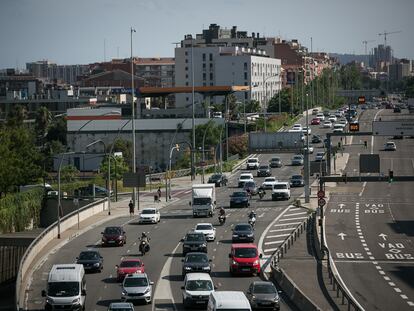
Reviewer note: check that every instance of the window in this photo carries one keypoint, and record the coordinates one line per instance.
(204, 57)
(245, 75)
(211, 76)
(186, 61)
(186, 83)
(204, 76)
(186, 76)
(186, 68)
(211, 57)
(186, 53)
(245, 66)
(186, 98)
(204, 66)
(211, 66)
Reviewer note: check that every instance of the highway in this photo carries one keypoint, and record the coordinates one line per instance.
(369, 227)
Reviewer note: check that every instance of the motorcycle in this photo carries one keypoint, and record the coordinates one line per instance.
(261, 194)
(144, 247)
(252, 221)
(222, 219)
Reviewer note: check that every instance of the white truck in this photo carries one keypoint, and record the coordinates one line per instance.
(203, 200)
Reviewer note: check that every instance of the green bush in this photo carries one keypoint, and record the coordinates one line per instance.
(18, 210)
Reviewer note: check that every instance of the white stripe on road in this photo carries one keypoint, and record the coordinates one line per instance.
(295, 209)
(284, 229)
(295, 214)
(274, 242)
(295, 218)
(269, 250)
(289, 224)
(277, 236)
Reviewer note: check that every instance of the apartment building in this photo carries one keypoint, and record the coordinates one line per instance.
(50, 71)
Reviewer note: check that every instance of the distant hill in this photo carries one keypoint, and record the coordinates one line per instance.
(347, 58)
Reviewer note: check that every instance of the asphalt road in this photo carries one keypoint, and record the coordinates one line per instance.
(370, 227)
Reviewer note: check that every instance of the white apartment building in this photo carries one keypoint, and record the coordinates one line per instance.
(226, 65)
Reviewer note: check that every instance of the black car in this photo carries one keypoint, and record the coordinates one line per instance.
(263, 295)
(194, 242)
(196, 262)
(239, 199)
(91, 260)
(316, 139)
(218, 179)
(276, 162)
(397, 110)
(242, 233)
(297, 181)
(264, 171)
(115, 236)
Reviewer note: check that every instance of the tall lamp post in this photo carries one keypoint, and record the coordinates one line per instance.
(176, 147)
(307, 192)
(109, 171)
(204, 138)
(134, 168)
(193, 111)
(60, 192)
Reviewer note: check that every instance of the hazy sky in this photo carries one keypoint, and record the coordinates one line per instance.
(74, 31)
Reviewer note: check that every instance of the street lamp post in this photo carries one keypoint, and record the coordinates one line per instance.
(60, 192)
(109, 171)
(134, 168)
(193, 111)
(204, 137)
(307, 188)
(177, 147)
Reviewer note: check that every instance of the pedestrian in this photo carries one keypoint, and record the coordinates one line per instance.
(131, 208)
(159, 194)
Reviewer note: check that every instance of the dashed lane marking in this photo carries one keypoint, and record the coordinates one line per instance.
(289, 224)
(277, 236)
(295, 214)
(290, 219)
(274, 242)
(283, 229)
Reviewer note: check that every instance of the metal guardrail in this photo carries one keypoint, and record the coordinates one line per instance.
(288, 242)
(338, 286)
(20, 275)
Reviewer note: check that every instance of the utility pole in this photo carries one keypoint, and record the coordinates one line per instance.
(134, 167)
(306, 164)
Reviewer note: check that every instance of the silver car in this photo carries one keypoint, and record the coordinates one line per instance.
(297, 159)
(137, 287)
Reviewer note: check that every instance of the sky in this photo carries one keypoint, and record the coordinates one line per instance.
(87, 31)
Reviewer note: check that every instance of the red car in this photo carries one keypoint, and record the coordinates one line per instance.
(244, 258)
(113, 236)
(315, 121)
(129, 266)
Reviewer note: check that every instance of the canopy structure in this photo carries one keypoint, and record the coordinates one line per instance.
(205, 90)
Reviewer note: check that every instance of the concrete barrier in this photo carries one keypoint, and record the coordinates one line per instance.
(301, 301)
(48, 235)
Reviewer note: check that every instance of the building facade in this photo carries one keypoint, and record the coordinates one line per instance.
(50, 71)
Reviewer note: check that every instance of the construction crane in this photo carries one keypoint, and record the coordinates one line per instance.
(385, 34)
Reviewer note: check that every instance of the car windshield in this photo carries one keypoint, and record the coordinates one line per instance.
(120, 309)
(148, 211)
(297, 157)
(195, 237)
(275, 159)
(269, 179)
(280, 186)
(199, 285)
(249, 184)
(216, 176)
(239, 194)
(196, 258)
(63, 289)
(296, 177)
(251, 161)
(112, 230)
(245, 177)
(88, 255)
(320, 154)
(201, 201)
(135, 282)
(243, 227)
(245, 252)
(264, 289)
(263, 167)
(130, 264)
(204, 227)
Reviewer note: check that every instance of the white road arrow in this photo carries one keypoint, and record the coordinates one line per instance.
(341, 205)
(342, 235)
(384, 236)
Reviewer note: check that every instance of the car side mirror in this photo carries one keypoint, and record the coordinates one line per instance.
(182, 260)
(215, 287)
(182, 240)
(189, 203)
(182, 287)
(43, 293)
(116, 266)
(260, 256)
(102, 233)
(83, 293)
(77, 258)
(209, 260)
(123, 232)
(215, 202)
(101, 257)
(151, 283)
(229, 255)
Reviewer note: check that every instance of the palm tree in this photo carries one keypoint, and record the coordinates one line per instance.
(43, 119)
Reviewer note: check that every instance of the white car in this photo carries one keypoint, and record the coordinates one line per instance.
(281, 190)
(306, 130)
(245, 177)
(320, 116)
(207, 229)
(149, 215)
(197, 289)
(297, 126)
(390, 146)
(332, 118)
(327, 124)
(342, 122)
(269, 182)
(338, 128)
(252, 164)
(310, 149)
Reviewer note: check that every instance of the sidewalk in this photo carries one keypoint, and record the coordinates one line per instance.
(301, 265)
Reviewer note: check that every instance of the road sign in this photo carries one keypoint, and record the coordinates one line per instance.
(134, 179)
(321, 194)
(393, 128)
(369, 163)
(354, 127)
(361, 99)
(321, 202)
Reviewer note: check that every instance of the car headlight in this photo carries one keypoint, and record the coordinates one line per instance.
(256, 262)
(234, 262)
(124, 293)
(203, 245)
(250, 235)
(147, 290)
(76, 301)
(187, 268)
(96, 264)
(276, 299)
(235, 236)
(253, 297)
(206, 268)
(49, 300)
(103, 238)
(186, 246)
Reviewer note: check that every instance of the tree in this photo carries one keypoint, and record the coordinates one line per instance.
(69, 173)
(16, 116)
(43, 119)
(252, 106)
(57, 131)
(232, 107)
(124, 146)
(238, 145)
(118, 167)
(285, 100)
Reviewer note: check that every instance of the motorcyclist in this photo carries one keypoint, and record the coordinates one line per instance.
(252, 215)
(144, 238)
(222, 212)
(261, 191)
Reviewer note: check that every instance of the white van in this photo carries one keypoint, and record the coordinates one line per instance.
(228, 300)
(66, 288)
